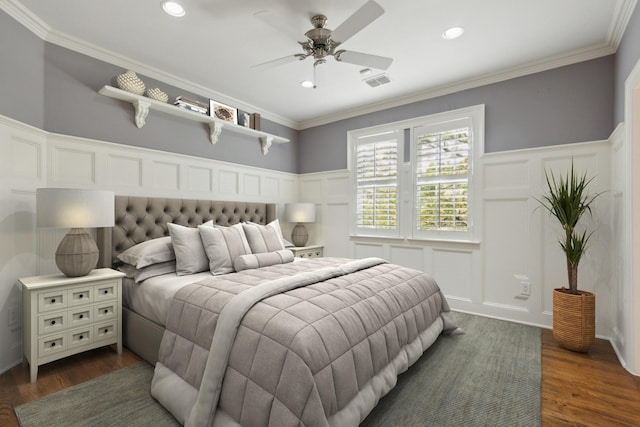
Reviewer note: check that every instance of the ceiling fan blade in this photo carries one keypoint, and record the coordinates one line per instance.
(365, 59)
(278, 23)
(356, 22)
(276, 62)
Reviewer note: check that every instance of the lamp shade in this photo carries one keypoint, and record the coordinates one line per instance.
(77, 253)
(74, 208)
(299, 212)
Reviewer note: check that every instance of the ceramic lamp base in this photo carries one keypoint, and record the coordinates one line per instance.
(77, 253)
(299, 235)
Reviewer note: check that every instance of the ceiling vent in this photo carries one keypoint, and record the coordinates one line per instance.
(379, 80)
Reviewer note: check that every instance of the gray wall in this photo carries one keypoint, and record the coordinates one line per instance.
(21, 73)
(627, 56)
(559, 106)
(56, 89)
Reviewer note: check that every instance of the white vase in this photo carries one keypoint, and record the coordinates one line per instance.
(157, 94)
(130, 82)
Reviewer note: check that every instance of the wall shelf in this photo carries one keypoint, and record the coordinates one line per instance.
(142, 105)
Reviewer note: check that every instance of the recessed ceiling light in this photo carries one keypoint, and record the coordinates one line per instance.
(452, 33)
(173, 8)
(307, 84)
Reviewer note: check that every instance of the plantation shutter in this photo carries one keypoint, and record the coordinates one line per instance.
(442, 178)
(376, 164)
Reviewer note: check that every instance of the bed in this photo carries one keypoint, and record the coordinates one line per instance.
(316, 342)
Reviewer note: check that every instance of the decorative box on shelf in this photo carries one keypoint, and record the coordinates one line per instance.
(314, 251)
(64, 315)
(143, 104)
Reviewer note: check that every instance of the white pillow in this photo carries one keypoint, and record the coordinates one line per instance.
(264, 238)
(140, 274)
(149, 252)
(223, 245)
(190, 255)
(245, 262)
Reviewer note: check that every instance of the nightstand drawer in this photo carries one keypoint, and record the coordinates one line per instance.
(79, 296)
(106, 291)
(51, 344)
(105, 331)
(52, 323)
(49, 301)
(105, 311)
(81, 337)
(80, 316)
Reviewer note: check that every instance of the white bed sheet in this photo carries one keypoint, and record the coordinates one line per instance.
(151, 298)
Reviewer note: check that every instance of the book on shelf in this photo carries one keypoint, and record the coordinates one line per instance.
(193, 102)
(191, 108)
(254, 121)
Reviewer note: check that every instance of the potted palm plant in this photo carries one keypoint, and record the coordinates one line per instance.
(568, 200)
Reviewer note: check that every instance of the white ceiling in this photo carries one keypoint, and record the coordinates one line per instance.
(213, 47)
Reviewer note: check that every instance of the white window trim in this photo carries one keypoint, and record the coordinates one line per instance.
(406, 192)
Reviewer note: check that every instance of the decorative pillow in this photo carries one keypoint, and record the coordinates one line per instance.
(223, 245)
(149, 252)
(140, 274)
(245, 262)
(264, 238)
(190, 255)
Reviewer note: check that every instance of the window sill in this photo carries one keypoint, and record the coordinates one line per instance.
(413, 240)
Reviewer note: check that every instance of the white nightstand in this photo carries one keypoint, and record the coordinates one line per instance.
(64, 315)
(314, 251)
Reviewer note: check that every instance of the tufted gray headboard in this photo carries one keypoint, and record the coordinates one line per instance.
(143, 218)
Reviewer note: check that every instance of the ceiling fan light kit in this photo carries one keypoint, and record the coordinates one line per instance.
(322, 42)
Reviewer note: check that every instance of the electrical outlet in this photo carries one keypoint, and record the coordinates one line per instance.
(525, 288)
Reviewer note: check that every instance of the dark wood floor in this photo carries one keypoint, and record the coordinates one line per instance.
(577, 389)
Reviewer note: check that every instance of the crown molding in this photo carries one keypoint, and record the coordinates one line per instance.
(487, 79)
(621, 16)
(619, 22)
(24, 16)
(29, 20)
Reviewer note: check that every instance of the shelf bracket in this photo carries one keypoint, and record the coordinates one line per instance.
(214, 132)
(142, 111)
(266, 142)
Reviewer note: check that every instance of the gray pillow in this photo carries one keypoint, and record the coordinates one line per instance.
(264, 238)
(149, 252)
(245, 262)
(223, 245)
(140, 274)
(190, 255)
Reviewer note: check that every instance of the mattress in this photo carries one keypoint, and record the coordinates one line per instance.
(151, 298)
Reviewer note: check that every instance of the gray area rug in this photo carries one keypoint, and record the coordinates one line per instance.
(490, 376)
(120, 398)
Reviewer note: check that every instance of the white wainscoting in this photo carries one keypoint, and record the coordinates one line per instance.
(34, 158)
(519, 241)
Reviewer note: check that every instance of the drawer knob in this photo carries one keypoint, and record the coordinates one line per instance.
(81, 295)
(53, 344)
(53, 300)
(81, 316)
(106, 330)
(106, 291)
(80, 337)
(53, 322)
(106, 311)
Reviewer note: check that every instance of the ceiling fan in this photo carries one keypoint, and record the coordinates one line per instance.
(321, 42)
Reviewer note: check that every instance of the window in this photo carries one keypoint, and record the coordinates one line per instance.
(376, 176)
(442, 177)
(428, 194)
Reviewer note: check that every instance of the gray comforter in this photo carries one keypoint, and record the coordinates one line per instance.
(313, 343)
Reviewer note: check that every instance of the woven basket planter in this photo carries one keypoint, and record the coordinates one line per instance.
(574, 319)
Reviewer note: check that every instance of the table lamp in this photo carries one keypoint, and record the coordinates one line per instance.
(299, 213)
(77, 253)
